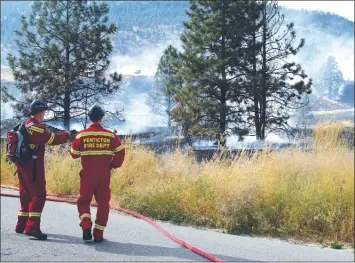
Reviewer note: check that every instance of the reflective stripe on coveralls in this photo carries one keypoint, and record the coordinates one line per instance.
(22, 213)
(83, 153)
(118, 149)
(85, 215)
(83, 134)
(74, 151)
(34, 214)
(99, 227)
(36, 129)
(96, 153)
(51, 139)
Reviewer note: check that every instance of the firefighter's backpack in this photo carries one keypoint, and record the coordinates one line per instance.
(18, 150)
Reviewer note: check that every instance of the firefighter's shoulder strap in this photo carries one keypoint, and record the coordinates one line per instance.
(34, 155)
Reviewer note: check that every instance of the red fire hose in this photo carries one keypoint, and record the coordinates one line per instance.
(61, 198)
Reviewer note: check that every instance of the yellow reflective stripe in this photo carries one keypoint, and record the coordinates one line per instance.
(96, 153)
(75, 152)
(51, 139)
(30, 124)
(36, 129)
(34, 214)
(119, 148)
(99, 227)
(23, 213)
(85, 215)
(83, 134)
(32, 146)
(84, 153)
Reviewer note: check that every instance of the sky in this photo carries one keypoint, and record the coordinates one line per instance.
(343, 8)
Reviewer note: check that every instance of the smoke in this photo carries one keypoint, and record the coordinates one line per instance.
(319, 46)
(343, 8)
(341, 48)
(250, 142)
(6, 75)
(138, 71)
(138, 115)
(146, 62)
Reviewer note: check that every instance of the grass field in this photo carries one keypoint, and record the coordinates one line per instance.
(308, 195)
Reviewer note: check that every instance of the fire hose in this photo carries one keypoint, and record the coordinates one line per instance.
(66, 199)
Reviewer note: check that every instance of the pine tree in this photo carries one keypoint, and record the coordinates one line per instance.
(304, 115)
(187, 115)
(166, 81)
(211, 39)
(277, 83)
(64, 48)
(329, 79)
(251, 65)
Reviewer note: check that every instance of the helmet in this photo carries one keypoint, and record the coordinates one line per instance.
(38, 106)
(96, 113)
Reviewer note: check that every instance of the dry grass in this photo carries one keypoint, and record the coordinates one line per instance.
(7, 170)
(291, 193)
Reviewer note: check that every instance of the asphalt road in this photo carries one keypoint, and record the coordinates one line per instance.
(132, 239)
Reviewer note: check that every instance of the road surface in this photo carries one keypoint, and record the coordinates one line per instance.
(132, 239)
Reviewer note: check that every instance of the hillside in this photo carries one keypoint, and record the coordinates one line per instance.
(145, 28)
(143, 24)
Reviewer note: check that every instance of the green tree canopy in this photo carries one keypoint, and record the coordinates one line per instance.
(64, 49)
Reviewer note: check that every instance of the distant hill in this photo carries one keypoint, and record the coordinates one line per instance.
(142, 23)
(146, 27)
(347, 95)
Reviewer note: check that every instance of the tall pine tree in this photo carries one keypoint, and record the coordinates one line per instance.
(209, 68)
(64, 49)
(329, 78)
(162, 99)
(276, 83)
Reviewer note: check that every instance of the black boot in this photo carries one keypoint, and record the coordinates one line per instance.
(38, 235)
(19, 230)
(98, 240)
(87, 234)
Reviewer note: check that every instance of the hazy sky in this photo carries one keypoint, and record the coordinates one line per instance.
(343, 8)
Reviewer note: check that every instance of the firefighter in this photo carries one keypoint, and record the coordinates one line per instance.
(31, 174)
(100, 151)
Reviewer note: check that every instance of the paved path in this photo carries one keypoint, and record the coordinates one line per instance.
(132, 239)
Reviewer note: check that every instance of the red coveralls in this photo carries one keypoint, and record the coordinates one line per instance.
(33, 193)
(100, 151)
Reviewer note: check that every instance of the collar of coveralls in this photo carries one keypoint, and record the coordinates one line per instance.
(33, 120)
(95, 125)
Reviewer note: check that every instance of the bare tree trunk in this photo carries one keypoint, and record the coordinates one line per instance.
(67, 82)
(255, 90)
(223, 100)
(263, 79)
(169, 110)
(86, 110)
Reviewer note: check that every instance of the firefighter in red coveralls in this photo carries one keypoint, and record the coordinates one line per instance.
(31, 174)
(100, 151)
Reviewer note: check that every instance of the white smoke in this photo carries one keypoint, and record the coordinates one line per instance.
(319, 46)
(146, 62)
(6, 74)
(342, 8)
(138, 115)
(341, 48)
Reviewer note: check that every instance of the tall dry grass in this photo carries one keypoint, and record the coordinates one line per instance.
(289, 193)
